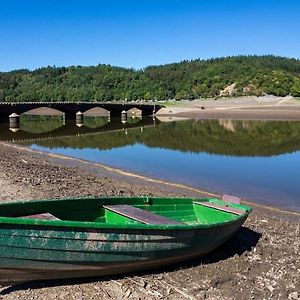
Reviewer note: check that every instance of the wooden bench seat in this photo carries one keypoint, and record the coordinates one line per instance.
(140, 215)
(228, 209)
(231, 199)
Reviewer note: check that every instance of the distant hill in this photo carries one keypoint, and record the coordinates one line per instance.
(219, 77)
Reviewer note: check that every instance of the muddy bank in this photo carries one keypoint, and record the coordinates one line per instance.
(261, 261)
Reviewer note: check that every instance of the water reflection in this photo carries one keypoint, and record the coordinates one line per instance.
(95, 122)
(133, 120)
(35, 128)
(225, 137)
(254, 159)
(40, 124)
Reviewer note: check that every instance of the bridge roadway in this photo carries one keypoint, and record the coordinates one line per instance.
(71, 108)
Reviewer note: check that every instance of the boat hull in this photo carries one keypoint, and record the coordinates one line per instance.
(42, 253)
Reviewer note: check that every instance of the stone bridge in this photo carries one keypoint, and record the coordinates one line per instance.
(71, 108)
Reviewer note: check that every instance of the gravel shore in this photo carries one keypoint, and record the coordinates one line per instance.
(260, 262)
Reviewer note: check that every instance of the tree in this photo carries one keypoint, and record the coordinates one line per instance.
(295, 90)
(252, 75)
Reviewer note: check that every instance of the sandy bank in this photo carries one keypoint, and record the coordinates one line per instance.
(291, 112)
(252, 108)
(261, 261)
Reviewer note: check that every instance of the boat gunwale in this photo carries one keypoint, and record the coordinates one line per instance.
(98, 225)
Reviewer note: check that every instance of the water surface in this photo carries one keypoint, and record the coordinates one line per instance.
(258, 160)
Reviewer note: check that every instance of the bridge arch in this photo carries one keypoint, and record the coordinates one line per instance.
(97, 112)
(71, 108)
(46, 111)
(134, 113)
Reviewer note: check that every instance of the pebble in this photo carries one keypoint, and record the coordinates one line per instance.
(294, 296)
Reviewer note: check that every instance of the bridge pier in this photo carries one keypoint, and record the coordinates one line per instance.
(70, 108)
(124, 116)
(79, 119)
(64, 118)
(14, 122)
(154, 120)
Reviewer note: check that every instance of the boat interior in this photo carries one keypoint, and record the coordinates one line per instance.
(133, 210)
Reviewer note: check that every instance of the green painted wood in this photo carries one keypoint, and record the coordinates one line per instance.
(225, 208)
(89, 237)
(140, 215)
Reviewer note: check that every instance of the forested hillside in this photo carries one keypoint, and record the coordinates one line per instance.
(230, 76)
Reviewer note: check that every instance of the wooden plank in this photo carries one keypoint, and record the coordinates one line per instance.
(231, 199)
(140, 215)
(43, 216)
(232, 210)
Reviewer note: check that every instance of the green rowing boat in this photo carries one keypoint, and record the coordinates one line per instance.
(69, 238)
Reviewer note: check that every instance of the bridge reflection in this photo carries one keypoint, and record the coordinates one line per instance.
(225, 137)
(222, 137)
(46, 128)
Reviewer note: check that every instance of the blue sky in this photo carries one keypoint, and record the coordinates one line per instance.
(137, 33)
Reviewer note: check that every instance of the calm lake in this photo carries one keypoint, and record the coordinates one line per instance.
(257, 160)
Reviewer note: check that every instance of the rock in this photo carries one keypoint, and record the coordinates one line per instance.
(294, 296)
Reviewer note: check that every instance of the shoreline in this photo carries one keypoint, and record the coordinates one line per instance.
(262, 112)
(240, 108)
(260, 261)
(131, 177)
